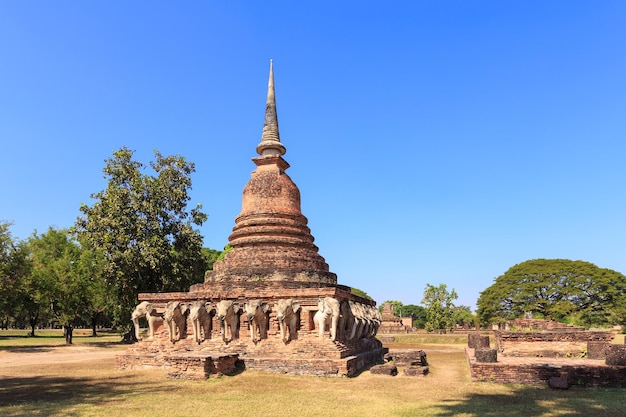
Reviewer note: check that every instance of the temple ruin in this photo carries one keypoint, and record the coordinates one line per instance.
(271, 303)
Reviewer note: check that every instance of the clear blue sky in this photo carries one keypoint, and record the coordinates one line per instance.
(432, 141)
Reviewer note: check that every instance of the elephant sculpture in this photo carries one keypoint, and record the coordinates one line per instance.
(256, 316)
(201, 316)
(227, 312)
(327, 315)
(288, 319)
(147, 310)
(378, 319)
(358, 312)
(346, 320)
(176, 319)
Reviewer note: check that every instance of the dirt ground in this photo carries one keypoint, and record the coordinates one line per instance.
(56, 354)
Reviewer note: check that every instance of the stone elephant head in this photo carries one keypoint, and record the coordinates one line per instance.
(147, 310)
(288, 319)
(201, 315)
(255, 313)
(175, 317)
(346, 321)
(227, 312)
(327, 315)
(358, 312)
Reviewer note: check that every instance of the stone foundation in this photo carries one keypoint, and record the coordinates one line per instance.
(559, 343)
(535, 371)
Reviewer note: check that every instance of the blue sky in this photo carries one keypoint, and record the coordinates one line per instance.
(432, 141)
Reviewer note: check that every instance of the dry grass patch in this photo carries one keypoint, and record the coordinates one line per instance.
(93, 388)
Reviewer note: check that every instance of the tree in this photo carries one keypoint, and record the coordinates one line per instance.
(463, 316)
(417, 314)
(14, 268)
(439, 308)
(64, 276)
(141, 224)
(577, 292)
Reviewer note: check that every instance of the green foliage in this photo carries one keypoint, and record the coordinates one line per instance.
(16, 301)
(439, 308)
(463, 316)
(576, 292)
(211, 256)
(66, 280)
(141, 224)
(221, 256)
(360, 293)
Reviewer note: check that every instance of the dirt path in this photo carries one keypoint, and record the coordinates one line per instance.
(56, 354)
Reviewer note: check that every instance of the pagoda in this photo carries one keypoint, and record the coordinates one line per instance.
(271, 303)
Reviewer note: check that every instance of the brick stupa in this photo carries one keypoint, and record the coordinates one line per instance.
(271, 239)
(273, 262)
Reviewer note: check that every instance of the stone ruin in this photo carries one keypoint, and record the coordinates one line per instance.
(545, 352)
(271, 303)
(392, 324)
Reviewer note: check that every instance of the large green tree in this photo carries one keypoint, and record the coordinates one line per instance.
(577, 292)
(63, 276)
(439, 304)
(14, 269)
(143, 227)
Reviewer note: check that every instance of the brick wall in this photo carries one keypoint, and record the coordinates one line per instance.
(592, 375)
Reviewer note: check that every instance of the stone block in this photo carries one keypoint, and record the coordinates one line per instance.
(407, 357)
(385, 369)
(558, 382)
(486, 355)
(616, 355)
(597, 350)
(477, 341)
(416, 371)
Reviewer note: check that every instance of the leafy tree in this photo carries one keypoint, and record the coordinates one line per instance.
(141, 224)
(14, 267)
(559, 289)
(463, 316)
(64, 275)
(439, 308)
(417, 314)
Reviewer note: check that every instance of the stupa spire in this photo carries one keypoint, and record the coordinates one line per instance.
(270, 139)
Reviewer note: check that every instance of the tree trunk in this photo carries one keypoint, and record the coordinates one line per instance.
(67, 332)
(33, 323)
(94, 320)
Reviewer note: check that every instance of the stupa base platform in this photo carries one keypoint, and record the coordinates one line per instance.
(307, 355)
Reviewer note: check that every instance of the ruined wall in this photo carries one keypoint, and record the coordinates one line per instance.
(587, 375)
(572, 343)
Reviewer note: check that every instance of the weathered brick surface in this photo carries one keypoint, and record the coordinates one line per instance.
(548, 343)
(486, 355)
(537, 371)
(477, 340)
(597, 350)
(407, 357)
(384, 369)
(416, 371)
(616, 355)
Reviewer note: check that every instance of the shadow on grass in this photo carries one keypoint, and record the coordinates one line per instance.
(47, 347)
(46, 395)
(528, 401)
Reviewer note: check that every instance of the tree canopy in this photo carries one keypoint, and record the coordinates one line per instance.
(575, 292)
(440, 309)
(141, 224)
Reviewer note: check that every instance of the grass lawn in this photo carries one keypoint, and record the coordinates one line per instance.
(10, 339)
(94, 388)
